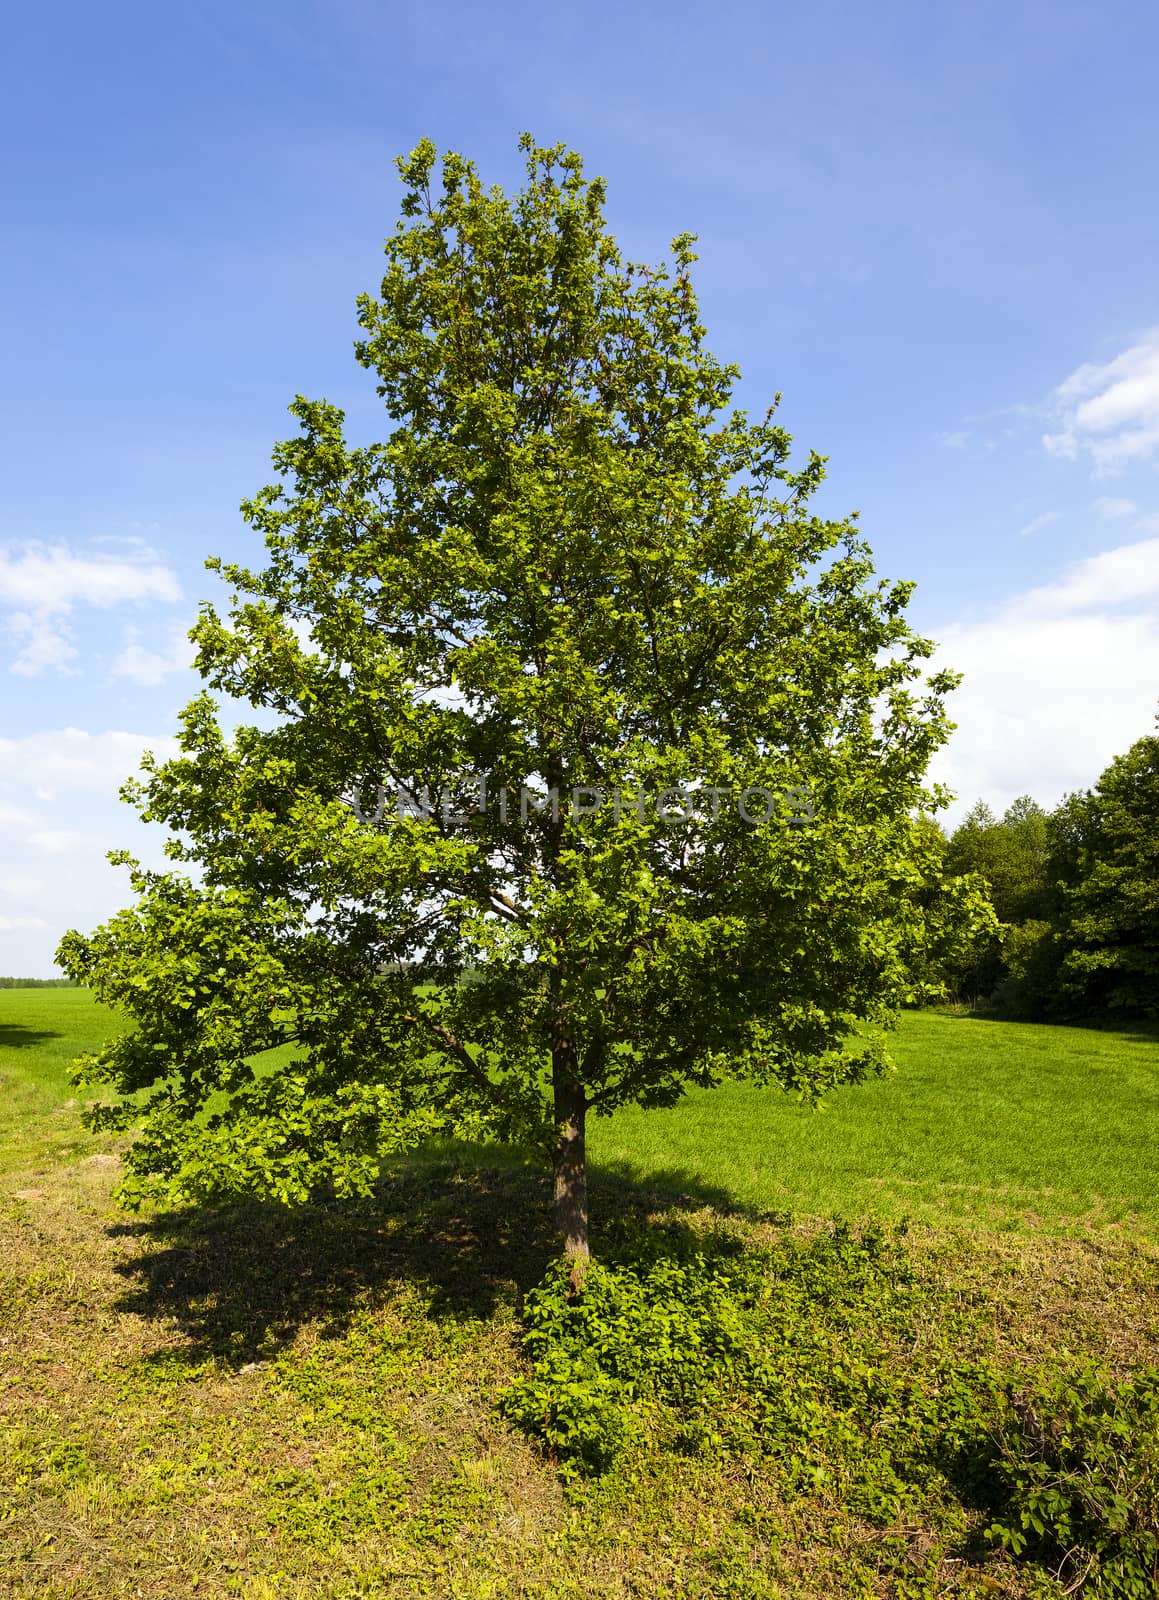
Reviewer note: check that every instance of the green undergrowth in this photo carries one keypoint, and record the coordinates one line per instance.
(830, 1363)
(1078, 1468)
(397, 1398)
(780, 1350)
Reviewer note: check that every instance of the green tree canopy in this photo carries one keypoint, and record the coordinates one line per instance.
(1010, 852)
(572, 567)
(1009, 855)
(1107, 861)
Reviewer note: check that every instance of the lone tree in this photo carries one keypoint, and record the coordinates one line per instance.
(672, 732)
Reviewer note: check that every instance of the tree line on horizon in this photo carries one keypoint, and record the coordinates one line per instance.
(1076, 893)
(37, 983)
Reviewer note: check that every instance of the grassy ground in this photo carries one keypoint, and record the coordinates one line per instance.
(41, 1033)
(1000, 1124)
(260, 1405)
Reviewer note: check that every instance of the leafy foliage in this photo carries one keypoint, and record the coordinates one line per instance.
(1077, 893)
(1109, 922)
(760, 1353)
(1080, 1467)
(1010, 854)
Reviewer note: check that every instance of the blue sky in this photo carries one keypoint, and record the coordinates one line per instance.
(933, 229)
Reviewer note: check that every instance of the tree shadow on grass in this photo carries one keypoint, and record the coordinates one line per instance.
(239, 1282)
(458, 1239)
(1123, 1032)
(15, 1036)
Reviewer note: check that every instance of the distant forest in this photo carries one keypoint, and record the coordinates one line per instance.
(1076, 891)
(37, 983)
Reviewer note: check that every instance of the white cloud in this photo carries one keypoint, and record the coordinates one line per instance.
(1110, 412)
(1057, 681)
(44, 644)
(138, 547)
(50, 579)
(1113, 508)
(1128, 573)
(59, 815)
(55, 841)
(1036, 524)
(150, 667)
(67, 760)
(41, 586)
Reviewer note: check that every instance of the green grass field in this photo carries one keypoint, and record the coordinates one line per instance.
(264, 1405)
(1004, 1124)
(1001, 1124)
(42, 1031)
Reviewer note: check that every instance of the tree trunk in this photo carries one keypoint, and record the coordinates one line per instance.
(571, 1173)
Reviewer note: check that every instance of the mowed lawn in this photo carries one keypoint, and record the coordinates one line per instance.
(42, 1031)
(1005, 1124)
(1002, 1125)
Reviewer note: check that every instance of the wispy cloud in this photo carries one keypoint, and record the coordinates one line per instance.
(1110, 412)
(1036, 524)
(1112, 508)
(42, 586)
(52, 579)
(955, 438)
(21, 887)
(150, 667)
(44, 644)
(989, 430)
(65, 760)
(56, 841)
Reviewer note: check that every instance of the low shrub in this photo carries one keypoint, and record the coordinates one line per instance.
(803, 1353)
(1080, 1467)
(779, 1352)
